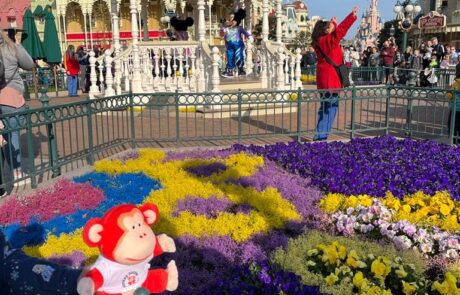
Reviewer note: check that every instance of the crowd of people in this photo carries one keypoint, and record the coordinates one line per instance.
(423, 61)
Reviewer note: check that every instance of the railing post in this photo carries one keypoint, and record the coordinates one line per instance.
(30, 149)
(249, 63)
(299, 114)
(93, 89)
(176, 100)
(280, 69)
(353, 111)
(452, 118)
(408, 132)
(90, 132)
(215, 79)
(387, 110)
(240, 100)
(109, 91)
(131, 115)
(52, 146)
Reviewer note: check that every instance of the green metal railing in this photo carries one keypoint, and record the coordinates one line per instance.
(61, 138)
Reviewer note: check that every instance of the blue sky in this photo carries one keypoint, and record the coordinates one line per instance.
(340, 8)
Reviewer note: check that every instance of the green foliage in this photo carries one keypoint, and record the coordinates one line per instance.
(302, 40)
(295, 256)
(257, 32)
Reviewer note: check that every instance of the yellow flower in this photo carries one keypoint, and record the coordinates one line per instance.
(406, 208)
(409, 289)
(331, 203)
(445, 210)
(381, 267)
(331, 279)
(353, 259)
(359, 280)
(401, 273)
(449, 286)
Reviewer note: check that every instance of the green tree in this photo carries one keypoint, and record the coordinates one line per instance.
(302, 40)
(257, 32)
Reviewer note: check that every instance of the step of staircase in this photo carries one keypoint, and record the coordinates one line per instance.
(235, 83)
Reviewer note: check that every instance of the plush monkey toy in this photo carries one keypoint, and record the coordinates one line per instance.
(180, 27)
(127, 244)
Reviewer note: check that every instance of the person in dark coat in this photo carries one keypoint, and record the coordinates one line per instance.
(326, 39)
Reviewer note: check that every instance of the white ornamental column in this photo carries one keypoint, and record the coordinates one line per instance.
(91, 29)
(279, 15)
(249, 62)
(84, 11)
(215, 80)
(210, 2)
(280, 69)
(58, 19)
(108, 74)
(117, 47)
(298, 71)
(93, 89)
(201, 21)
(265, 27)
(136, 85)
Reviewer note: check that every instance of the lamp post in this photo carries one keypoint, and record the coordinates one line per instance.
(405, 15)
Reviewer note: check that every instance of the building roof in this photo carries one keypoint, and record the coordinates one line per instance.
(299, 5)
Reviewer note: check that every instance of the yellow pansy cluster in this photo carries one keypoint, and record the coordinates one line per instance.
(368, 274)
(448, 286)
(439, 210)
(270, 209)
(332, 203)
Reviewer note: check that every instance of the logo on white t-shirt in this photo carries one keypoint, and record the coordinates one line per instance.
(130, 279)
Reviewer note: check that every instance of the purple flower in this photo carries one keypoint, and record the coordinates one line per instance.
(207, 170)
(370, 166)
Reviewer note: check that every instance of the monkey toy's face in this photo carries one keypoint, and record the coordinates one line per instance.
(137, 241)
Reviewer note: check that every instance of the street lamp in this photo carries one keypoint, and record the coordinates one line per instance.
(392, 30)
(405, 15)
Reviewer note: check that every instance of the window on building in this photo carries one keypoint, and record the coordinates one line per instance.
(432, 5)
(302, 19)
(456, 17)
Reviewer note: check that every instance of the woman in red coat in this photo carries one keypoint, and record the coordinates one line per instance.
(326, 39)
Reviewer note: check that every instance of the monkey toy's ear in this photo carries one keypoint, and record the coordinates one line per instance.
(92, 232)
(150, 212)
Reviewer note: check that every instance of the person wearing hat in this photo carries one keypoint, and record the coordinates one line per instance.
(233, 34)
(455, 104)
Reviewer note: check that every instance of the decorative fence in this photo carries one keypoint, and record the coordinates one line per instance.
(65, 137)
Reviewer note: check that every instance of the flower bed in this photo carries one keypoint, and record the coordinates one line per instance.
(242, 218)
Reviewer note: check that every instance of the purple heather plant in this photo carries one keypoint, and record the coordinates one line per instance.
(370, 166)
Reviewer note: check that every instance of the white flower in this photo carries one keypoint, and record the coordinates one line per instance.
(451, 253)
(453, 243)
(350, 210)
(426, 248)
(402, 242)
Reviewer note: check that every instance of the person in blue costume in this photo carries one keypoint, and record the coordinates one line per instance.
(233, 34)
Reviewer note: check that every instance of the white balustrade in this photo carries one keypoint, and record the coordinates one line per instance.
(109, 91)
(93, 89)
(280, 82)
(298, 71)
(292, 72)
(215, 80)
(249, 59)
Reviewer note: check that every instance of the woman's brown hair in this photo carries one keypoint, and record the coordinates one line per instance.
(318, 31)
